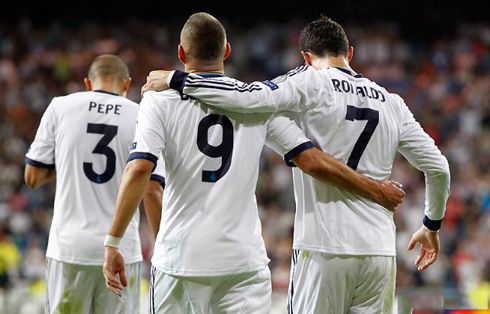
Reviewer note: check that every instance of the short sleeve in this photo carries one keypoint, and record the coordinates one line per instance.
(159, 173)
(41, 153)
(286, 138)
(149, 140)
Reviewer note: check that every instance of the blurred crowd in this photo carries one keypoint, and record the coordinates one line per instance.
(444, 81)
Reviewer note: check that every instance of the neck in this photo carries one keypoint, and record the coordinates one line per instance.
(328, 62)
(200, 69)
(107, 87)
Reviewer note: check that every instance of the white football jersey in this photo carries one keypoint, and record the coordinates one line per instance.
(86, 137)
(210, 224)
(354, 120)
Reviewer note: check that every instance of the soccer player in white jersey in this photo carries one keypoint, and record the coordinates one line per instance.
(209, 256)
(344, 245)
(83, 141)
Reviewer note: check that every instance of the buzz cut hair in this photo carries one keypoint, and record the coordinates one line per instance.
(108, 66)
(206, 37)
(324, 37)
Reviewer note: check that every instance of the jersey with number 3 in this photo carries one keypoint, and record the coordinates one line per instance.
(355, 120)
(86, 137)
(210, 224)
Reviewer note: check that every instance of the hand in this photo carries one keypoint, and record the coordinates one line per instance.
(391, 195)
(156, 80)
(429, 250)
(113, 265)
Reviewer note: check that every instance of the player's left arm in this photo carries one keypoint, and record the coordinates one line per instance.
(152, 199)
(287, 139)
(328, 169)
(421, 151)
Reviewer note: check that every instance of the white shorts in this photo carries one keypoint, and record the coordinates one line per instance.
(239, 294)
(341, 284)
(73, 288)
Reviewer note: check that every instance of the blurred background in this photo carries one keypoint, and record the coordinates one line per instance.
(435, 55)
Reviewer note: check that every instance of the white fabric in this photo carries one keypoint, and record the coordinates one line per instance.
(240, 293)
(87, 137)
(335, 108)
(81, 289)
(332, 284)
(210, 224)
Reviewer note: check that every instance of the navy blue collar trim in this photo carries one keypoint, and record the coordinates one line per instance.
(358, 75)
(210, 74)
(105, 92)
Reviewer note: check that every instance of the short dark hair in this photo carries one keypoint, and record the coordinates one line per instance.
(108, 66)
(324, 37)
(206, 36)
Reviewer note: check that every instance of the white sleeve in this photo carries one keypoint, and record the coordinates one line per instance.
(420, 150)
(149, 139)
(159, 173)
(293, 91)
(42, 150)
(286, 138)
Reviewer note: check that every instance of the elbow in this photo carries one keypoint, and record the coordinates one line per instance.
(30, 178)
(139, 167)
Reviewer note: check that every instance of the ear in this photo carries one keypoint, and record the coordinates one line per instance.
(350, 53)
(88, 83)
(126, 84)
(307, 57)
(227, 51)
(181, 54)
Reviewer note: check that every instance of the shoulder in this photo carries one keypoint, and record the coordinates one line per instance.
(161, 97)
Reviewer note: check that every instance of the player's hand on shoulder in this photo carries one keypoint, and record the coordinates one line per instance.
(113, 265)
(156, 81)
(391, 195)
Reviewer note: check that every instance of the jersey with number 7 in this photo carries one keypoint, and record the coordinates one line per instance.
(355, 120)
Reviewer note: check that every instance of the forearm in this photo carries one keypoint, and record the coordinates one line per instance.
(437, 193)
(328, 169)
(131, 190)
(152, 202)
(36, 177)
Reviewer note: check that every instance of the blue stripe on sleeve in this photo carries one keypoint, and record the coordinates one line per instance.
(433, 225)
(147, 156)
(158, 178)
(296, 151)
(38, 164)
(178, 80)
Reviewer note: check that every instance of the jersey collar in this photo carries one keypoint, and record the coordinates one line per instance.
(211, 74)
(358, 75)
(105, 92)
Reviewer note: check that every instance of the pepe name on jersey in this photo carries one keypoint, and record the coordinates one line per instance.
(343, 86)
(104, 108)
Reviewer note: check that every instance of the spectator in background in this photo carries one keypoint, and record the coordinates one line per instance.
(450, 98)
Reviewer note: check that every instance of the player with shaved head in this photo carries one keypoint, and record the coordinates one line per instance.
(209, 255)
(83, 141)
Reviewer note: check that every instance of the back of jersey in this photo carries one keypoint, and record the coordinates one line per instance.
(87, 135)
(358, 122)
(210, 224)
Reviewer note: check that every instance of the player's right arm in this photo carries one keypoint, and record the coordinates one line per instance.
(40, 165)
(420, 150)
(293, 91)
(142, 161)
